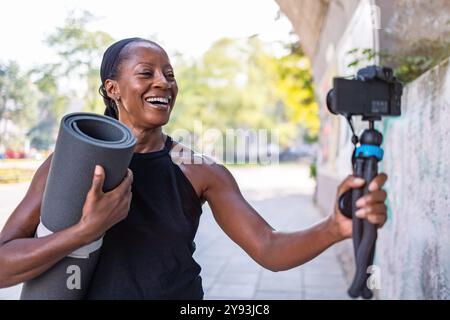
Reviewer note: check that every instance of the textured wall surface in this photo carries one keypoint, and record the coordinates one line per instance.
(407, 24)
(414, 246)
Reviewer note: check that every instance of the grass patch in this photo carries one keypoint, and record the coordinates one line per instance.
(15, 175)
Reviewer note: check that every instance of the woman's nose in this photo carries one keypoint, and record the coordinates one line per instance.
(160, 81)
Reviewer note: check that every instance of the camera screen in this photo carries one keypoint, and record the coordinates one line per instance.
(357, 97)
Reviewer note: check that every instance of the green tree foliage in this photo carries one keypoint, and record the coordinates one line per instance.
(236, 84)
(51, 105)
(37, 106)
(293, 82)
(17, 103)
(80, 51)
(240, 84)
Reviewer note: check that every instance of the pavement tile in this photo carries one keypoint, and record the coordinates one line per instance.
(280, 284)
(326, 294)
(227, 290)
(277, 295)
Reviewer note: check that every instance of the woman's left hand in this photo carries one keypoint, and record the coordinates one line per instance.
(371, 206)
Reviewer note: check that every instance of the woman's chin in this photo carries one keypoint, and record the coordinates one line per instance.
(158, 107)
(157, 120)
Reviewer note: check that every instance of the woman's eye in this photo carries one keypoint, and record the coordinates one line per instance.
(147, 73)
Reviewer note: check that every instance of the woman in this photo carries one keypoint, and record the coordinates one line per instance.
(152, 218)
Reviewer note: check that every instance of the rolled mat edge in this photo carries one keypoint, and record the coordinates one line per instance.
(84, 140)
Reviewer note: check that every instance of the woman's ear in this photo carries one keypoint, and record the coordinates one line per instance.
(112, 89)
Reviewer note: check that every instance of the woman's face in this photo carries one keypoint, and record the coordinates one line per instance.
(147, 86)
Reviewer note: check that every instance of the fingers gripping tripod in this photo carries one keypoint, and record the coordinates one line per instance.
(365, 165)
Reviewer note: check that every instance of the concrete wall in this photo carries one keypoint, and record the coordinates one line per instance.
(414, 246)
(413, 249)
(414, 27)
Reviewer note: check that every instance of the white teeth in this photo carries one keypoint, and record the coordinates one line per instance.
(158, 99)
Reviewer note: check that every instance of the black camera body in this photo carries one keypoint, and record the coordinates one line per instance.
(373, 93)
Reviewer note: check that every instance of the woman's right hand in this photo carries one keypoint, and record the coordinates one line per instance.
(103, 210)
(23, 257)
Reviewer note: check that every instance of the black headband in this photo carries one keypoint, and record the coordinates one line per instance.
(111, 55)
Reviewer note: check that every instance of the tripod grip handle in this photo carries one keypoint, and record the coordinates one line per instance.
(364, 250)
(358, 171)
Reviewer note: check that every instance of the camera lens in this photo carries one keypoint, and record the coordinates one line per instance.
(330, 97)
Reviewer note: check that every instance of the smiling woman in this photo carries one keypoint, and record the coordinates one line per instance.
(128, 84)
(148, 247)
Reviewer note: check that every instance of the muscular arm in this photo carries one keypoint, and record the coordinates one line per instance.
(272, 249)
(22, 256)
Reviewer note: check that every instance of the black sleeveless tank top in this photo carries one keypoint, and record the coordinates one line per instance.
(148, 255)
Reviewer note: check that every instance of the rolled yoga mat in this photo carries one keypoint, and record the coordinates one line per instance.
(84, 140)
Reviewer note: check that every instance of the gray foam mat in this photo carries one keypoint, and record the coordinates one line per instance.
(84, 140)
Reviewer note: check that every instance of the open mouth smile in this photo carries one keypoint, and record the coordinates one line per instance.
(159, 103)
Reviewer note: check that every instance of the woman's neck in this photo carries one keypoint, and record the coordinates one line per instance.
(149, 141)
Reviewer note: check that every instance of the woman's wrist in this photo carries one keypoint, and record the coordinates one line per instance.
(82, 233)
(333, 229)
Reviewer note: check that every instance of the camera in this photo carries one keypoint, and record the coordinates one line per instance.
(374, 92)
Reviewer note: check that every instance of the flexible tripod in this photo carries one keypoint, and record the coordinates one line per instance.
(365, 165)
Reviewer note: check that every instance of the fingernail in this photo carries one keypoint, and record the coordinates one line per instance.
(373, 187)
(358, 180)
(360, 213)
(97, 171)
(360, 203)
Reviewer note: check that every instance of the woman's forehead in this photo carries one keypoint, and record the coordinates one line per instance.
(146, 51)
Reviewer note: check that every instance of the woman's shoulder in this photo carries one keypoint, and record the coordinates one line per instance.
(201, 169)
(183, 154)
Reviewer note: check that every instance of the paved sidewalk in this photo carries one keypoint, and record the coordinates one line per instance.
(282, 195)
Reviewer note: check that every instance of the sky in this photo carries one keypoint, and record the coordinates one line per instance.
(188, 26)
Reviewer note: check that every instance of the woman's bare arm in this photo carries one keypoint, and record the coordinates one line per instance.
(273, 249)
(23, 257)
